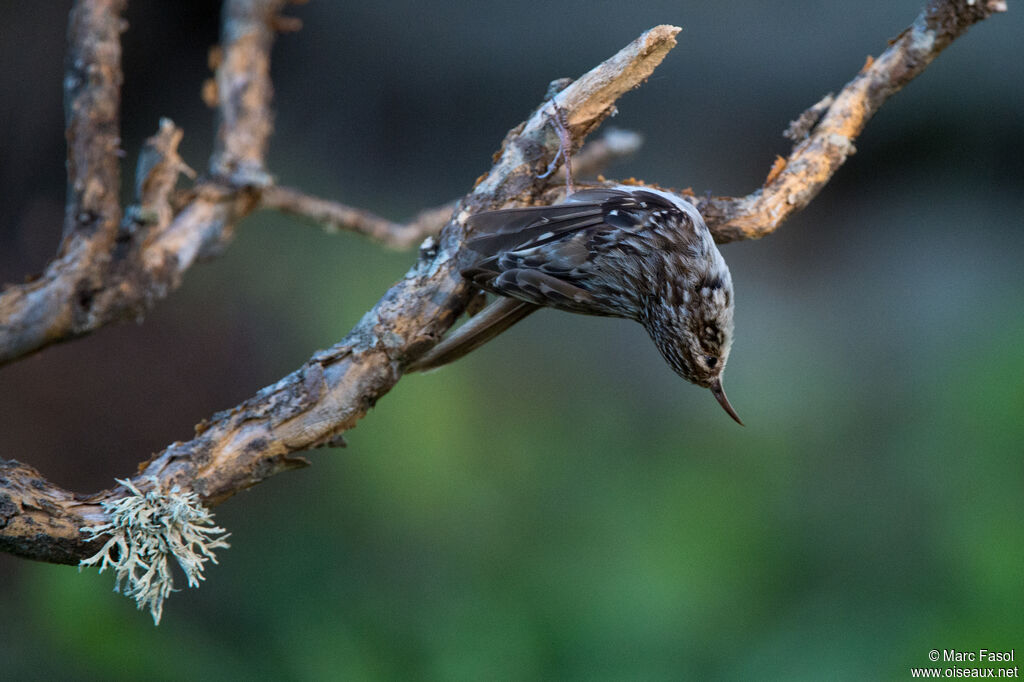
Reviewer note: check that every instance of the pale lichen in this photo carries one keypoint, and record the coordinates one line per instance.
(146, 530)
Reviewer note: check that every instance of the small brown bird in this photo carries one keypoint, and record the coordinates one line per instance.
(623, 251)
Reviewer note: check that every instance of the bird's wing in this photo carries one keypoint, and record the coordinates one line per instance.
(546, 254)
(543, 256)
(514, 228)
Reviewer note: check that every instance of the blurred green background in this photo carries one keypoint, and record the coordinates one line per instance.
(559, 505)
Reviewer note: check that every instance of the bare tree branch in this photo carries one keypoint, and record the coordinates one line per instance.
(337, 217)
(314, 405)
(244, 91)
(597, 155)
(32, 314)
(156, 174)
(92, 90)
(108, 270)
(815, 159)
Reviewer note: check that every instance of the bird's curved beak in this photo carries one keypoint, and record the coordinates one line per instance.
(719, 393)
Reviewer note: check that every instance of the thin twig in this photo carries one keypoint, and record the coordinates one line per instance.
(337, 217)
(597, 155)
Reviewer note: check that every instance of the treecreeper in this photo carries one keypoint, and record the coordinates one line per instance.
(623, 251)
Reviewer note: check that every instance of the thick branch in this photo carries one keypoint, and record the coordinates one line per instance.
(33, 314)
(92, 95)
(313, 406)
(36, 517)
(105, 273)
(814, 160)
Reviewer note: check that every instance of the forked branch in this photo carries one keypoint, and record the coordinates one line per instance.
(338, 217)
(824, 145)
(317, 403)
(91, 283)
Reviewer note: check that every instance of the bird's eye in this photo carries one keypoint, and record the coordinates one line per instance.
(711, 360)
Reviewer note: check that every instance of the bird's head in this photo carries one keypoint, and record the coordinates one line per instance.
(692, 326)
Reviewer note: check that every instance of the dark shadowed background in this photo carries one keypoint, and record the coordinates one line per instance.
(559, 505)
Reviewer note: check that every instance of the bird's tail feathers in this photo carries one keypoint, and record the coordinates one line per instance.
(481, 328)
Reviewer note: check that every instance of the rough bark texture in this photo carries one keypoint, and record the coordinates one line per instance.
(317, 403)
(108, 269)
(59, 302)
(815, 158)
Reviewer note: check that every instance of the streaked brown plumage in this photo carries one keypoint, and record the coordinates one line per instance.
(622, 251)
